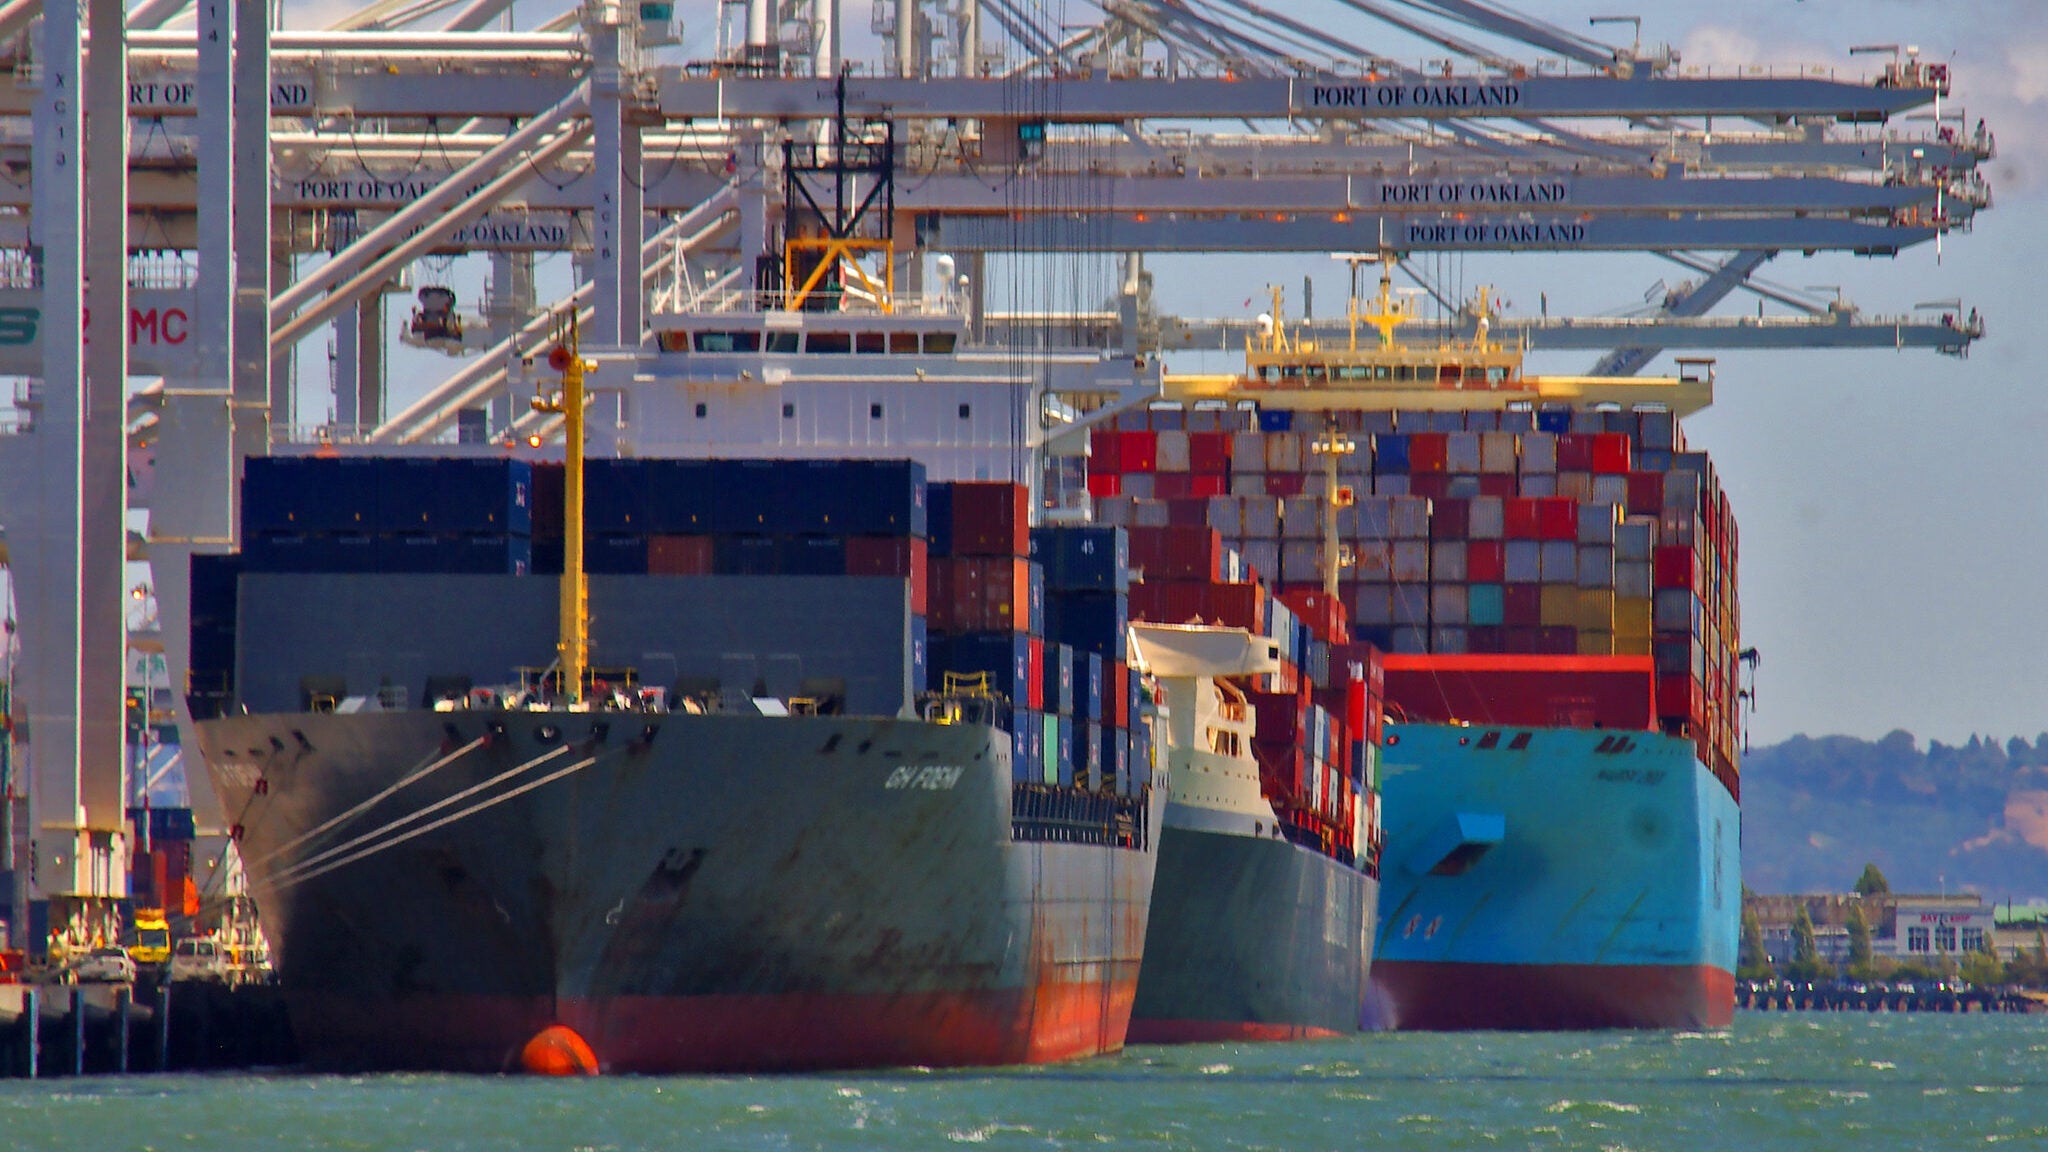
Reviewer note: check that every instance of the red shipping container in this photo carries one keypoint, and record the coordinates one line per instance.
(1204, 485)
(1105, 451)
(1450, 519)
(1035, 689)
(1646, 493)
(1324, 614)
(1486, 561)
(1193, 554)
(1433, 485)
(680, 556)
(1501, 484)
(1005, 594)
(1557, 641)
(991, 519)
(1486, 638)
(1209, 452)
(1103, 485)
(1120, 693)
(1285, 483)
(1679, 698)
(1138, 451)
(1676, 566)
(1522, 518)
(899, 556)
(1171, 486)
(1575, 452)
(1186, 601)
(1521, 605)
(1611, 453)
(1428, 452)
(1238, 606)
(1183, 512)
(1525, 691)
(1560, 518)
(1148, 602)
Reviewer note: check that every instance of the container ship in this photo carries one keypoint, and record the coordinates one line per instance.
(1551, 575)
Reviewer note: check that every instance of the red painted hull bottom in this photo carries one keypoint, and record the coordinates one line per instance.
(1450, 997)
(1221, 1032)
(675, 1034)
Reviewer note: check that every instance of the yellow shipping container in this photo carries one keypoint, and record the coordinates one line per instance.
(1560, 605)
(1632, 616)
(1627, 645)
(1593, 643)
(1596, 609)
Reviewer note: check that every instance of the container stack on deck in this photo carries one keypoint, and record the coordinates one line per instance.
(158, 876)
(1557, 533)
(398, 514)
(1318, 717)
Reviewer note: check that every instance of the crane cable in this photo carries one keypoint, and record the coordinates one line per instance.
(420, 772)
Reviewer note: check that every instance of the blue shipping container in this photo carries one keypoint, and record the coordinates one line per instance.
(749, 496)
(681, 496)
(920, 656)
(1005, 656)
(815, 497)
(744, 555)
(305, 552)
(615, 497)
(1556, 421)
(309, 494)
(1390, 455)
(1090, 621)
(1276, 420)
(483, 496)
(811, 556)
(939, 519)
(1066, 753)
(1059, 679)
(215, 579)
(408, 494)
(614, 554)
(1088, 773)
(487, 555)
(886, 498)
(1088, 684)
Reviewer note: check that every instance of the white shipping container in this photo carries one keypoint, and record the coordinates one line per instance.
(1153, 514)
(1461, 452)
(1172, 453)
(1636, 538)
(1447, 560)
(1597, 522)
(1411, 561)
(1301, 518)
(1575, 485)
(1448, 640)
(1486, 518)
(1411, 604)
(1609, 488)
(1390, 485)
(1538, 485)
(1139, 485)
(1301, 561)
(1447, 604)
(1247, 452)
(1373, 605)
(1263, 555)
(1226, 515)
(1675, 610)
(1596, 566)
(1411, 641)
(1523, 561)
(1462, 487)
(1539, 454)
(1409, 518)
(1248, 484)
(1373, 559)
(1261, 516)
(1497, 453)
(1633, 579)
(1116, 511)
(1284, 452)
(1560, 562)
(1375, 518)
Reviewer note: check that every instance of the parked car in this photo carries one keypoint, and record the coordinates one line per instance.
(198, 958)
(105, 966)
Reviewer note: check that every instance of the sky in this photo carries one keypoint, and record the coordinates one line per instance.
(1894, 534)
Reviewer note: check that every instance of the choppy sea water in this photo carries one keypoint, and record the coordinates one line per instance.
(1774, 1082)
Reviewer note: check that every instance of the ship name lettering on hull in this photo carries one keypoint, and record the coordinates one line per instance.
(931, 778)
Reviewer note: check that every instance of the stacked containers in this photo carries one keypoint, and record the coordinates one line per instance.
(1550, 532)
(1088, 680)
(453, 515)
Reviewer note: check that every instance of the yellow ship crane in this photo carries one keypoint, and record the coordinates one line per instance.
(1284, 371)
(572, 650)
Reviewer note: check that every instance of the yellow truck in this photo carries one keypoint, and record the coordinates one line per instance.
(152, 947)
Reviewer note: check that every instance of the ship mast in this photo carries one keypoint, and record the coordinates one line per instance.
(572, 649)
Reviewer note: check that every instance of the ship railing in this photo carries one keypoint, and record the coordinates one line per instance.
(679, 299)
(1046, 813)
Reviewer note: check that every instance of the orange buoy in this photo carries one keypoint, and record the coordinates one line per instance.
(557, 1050)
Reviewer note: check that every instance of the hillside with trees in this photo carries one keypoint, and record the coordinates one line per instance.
(1971, 817)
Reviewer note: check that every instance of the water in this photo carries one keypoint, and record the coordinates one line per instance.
(1804, 1082)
